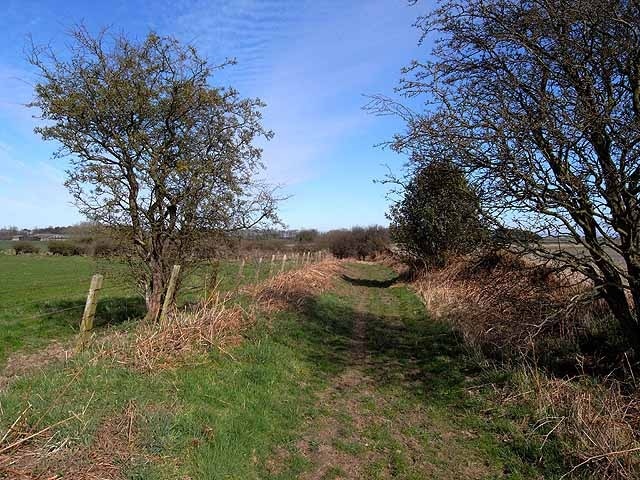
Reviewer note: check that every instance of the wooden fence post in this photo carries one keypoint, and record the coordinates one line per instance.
(258, 269)
(171, 291)
(273, 258)
(89, 311)
(284, 261)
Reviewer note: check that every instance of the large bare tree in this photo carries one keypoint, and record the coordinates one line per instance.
(539, 102)
(156, 153)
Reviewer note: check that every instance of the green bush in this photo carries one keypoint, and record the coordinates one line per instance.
(438, 216)
(25, 247)
(65, 248)
(306, 236)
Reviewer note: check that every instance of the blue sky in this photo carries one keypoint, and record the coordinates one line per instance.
(312, 62)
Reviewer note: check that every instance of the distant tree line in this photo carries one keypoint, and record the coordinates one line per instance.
(357, 242)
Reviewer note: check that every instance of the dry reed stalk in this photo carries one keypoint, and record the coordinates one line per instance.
(215, 323)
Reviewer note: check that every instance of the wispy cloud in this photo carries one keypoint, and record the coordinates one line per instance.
(32, 193)
(245, 29)
(309, 60)
(16, 90)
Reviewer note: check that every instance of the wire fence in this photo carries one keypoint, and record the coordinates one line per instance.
(65, 295)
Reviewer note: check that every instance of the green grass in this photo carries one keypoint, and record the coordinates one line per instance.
(220, 419)
(422, 378)
(42, 296)
(243, 415)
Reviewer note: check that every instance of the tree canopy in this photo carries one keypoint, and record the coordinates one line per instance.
(156, 152)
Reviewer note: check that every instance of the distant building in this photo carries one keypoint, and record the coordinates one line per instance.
(26, 235)
(47, 237)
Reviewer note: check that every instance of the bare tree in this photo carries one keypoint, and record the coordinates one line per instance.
(156, 153)
(539, 102)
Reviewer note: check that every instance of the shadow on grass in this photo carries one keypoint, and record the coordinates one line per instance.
(109, 311)
(421, 356)
(407, 356)
(371, 283)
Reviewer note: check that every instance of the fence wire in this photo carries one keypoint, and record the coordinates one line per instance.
(232, 274)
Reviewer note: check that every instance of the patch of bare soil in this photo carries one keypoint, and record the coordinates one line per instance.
(21, 363)
(344, 397)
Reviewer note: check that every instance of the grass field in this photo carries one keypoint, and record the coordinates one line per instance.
(361, 384)
(42, 296)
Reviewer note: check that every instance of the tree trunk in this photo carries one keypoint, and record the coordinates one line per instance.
(633, 268)
(155, 294)
(627, 317)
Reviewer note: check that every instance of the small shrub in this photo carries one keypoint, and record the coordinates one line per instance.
(65, 248)
(306, 236)
(25, 247)
(439, 216)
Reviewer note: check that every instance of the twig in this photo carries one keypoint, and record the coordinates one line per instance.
(4, 437)
(38, 433)
(598, 457)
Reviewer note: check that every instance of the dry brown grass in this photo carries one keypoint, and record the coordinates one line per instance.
(217, 323)
(597, 425)
(295, 287)
(505, 304)
(22, 363)
(45, 454)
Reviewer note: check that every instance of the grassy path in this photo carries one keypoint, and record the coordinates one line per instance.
(360, 385)
(403, 404)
